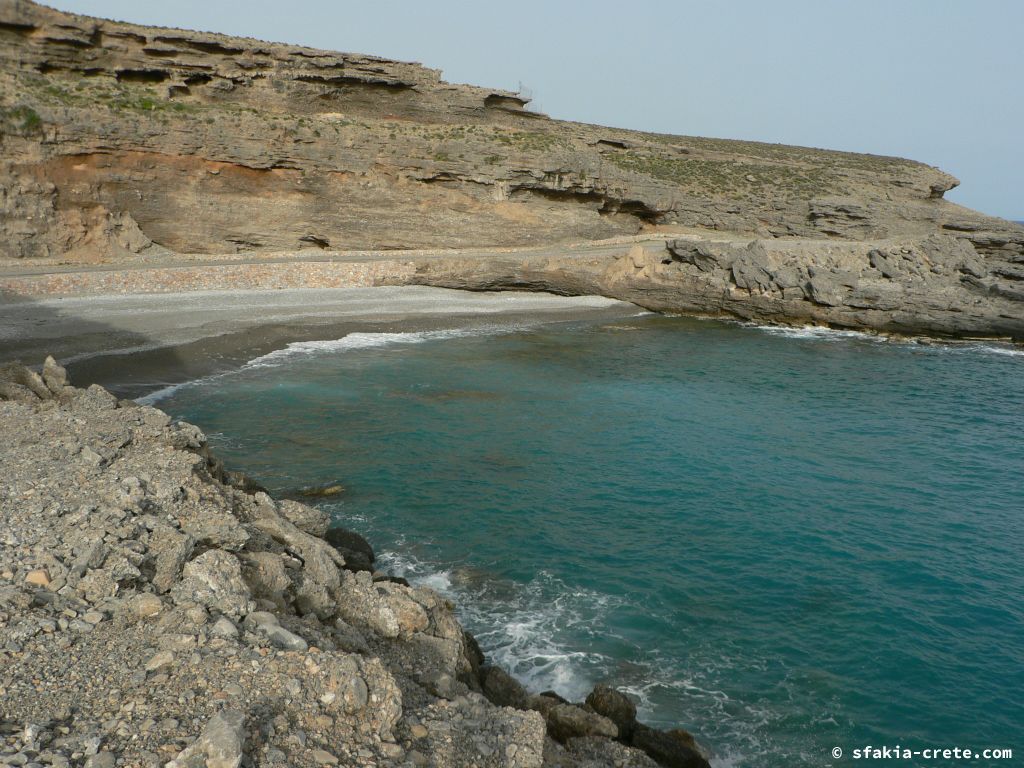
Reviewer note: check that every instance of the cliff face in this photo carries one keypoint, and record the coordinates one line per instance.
(116, 137)
(120, 140)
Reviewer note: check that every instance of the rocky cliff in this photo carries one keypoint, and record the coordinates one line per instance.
(116, 135)
(120, 140)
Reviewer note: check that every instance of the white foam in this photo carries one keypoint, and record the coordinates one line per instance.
(518, 625)
(520, 628)
(814, 332)
(164, 392)
(351, 341)
(998, 349)
(822, 333)
(360, 340)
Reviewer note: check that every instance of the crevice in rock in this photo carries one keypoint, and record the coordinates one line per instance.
(504, 101)
(352, 80)
(203, 46)
(18, 29)
(142, 75)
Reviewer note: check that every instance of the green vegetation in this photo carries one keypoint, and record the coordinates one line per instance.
(731, 179)
(534, 141)
(787, 153)
(23, 119)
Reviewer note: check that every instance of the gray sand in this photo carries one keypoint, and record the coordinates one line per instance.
(136, 343)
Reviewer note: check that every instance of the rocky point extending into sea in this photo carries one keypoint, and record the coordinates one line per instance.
(157, 609)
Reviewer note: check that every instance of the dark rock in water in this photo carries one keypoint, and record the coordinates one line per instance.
(503, 689)
(354, 548)
(569, 721)
(473, 652)
(321, 491)
(241, 481)
(377, 576)
(673, 749)
(616, 706)
(557, 697)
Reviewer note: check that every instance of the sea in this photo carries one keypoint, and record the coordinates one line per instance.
(788, 541)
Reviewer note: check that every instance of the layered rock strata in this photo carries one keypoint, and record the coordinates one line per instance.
(120, 139)
(123, 144)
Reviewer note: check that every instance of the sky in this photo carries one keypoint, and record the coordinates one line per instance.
(940, 81)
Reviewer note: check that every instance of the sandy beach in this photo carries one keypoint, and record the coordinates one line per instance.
(134, 344)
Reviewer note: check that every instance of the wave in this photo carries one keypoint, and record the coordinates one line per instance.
(360, 340)
(997, 349)
(351, 341)
(819, 332)
(822, 333)
(166, 391)
(521, 626)
(542, 632)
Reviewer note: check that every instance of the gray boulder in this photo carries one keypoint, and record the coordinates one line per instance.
(568, 721)
(503, 689)
(214, 579)
(673, 749)
(616, 706)
(220, 745)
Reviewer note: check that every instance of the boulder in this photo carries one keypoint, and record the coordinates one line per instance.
(55, 376)
(616, 706)
(170, 549)
(220, 745)
(669, 748)
(20, 376)
(503, 689)
(320, 561)
(354, 548)
(266, 576)
(267, 624)
(214, 579)
(304, 517)
(568, 721)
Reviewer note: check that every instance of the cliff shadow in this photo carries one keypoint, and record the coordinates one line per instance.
(92, 337)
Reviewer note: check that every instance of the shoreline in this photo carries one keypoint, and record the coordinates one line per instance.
(136, 344)
(397, 666)
(935, 286)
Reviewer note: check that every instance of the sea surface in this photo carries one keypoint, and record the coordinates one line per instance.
(784, 540)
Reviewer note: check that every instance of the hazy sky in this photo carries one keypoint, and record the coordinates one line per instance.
(940, 81)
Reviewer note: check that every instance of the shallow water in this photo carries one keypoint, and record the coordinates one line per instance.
(784, 540)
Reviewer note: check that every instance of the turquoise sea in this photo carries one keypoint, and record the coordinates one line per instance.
(785, 540)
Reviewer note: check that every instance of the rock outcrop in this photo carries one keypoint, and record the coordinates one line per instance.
(151, 614)
(937, 285)
(120, 140)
